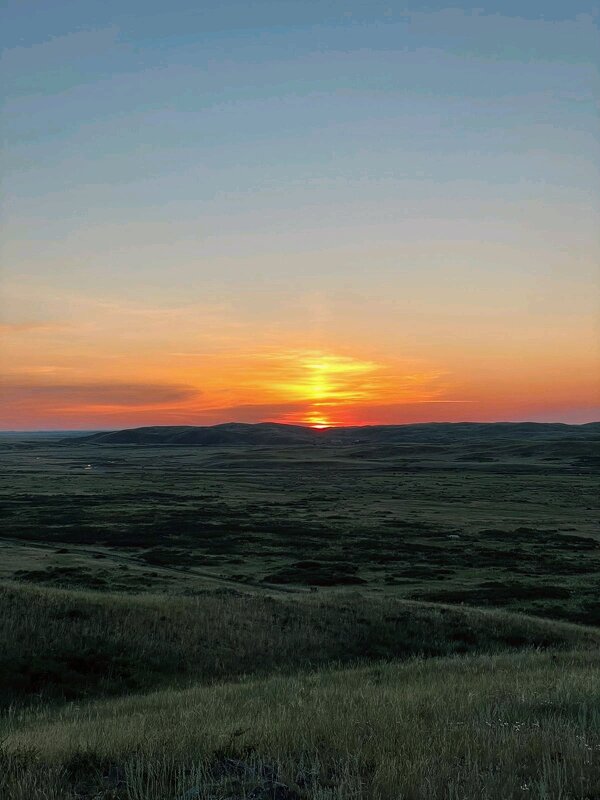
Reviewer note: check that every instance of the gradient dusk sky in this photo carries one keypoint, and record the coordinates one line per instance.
(300, 211)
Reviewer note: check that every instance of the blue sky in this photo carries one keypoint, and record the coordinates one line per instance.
(275, 157)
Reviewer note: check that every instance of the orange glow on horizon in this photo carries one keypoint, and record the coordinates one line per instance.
(319, 421)
(121, 366)
(317, 214)
(325, 383)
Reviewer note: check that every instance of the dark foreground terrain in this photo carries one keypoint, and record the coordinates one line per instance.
(275, 612)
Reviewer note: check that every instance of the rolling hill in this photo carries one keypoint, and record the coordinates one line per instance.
(270, 433)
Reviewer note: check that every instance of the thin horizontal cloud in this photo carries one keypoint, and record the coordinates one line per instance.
(106, 394)
(35, 370)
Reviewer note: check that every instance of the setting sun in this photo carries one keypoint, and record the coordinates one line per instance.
(322, 248)
(300, 297)
(318, 421)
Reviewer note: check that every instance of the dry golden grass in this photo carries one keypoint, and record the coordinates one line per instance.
(465, 728)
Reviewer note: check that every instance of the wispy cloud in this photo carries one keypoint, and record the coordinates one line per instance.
(84, 396)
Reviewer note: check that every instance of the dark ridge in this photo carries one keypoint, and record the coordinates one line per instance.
(271, 433)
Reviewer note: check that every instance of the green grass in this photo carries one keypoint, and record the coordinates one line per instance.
(517, 530)
(465, 728)
(372, 621)
(66, 645)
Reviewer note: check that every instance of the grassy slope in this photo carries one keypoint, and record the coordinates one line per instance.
(67, 645)
(487, 727)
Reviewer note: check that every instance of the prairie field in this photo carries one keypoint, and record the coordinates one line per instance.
(300, 383)
(411, 615)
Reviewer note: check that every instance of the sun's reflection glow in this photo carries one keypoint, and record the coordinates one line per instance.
(327, 383)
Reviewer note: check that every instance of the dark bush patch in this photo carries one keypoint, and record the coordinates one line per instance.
(316, 574)
(496, 593)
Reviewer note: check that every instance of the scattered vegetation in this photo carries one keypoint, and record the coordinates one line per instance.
(409, 511)
(304, 616)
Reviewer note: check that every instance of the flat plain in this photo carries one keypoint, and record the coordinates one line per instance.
(454, 516)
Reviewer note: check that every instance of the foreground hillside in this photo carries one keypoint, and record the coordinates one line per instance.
(256, 697)
(502, 727)
(61, 645)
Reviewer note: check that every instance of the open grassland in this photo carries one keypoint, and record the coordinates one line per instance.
(506, 519)
(408, 616)
(65, 645)
(255, 702)
(465, 728)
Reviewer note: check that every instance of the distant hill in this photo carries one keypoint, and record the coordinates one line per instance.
(270, 433)
(233, 433)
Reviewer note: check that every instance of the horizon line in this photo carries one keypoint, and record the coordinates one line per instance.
(299, 425)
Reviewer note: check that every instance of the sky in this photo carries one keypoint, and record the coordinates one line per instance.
(306, 211)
